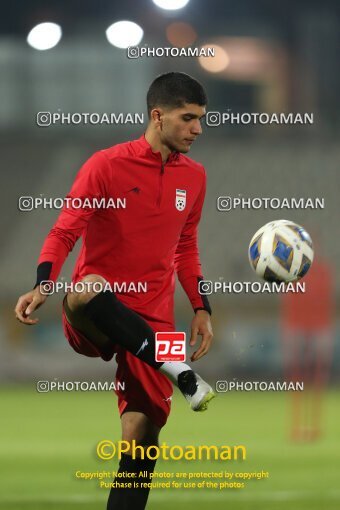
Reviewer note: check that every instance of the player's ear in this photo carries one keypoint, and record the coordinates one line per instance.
(156, 116)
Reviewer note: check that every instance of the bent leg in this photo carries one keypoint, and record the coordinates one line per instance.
(74, 306)
(94, 311)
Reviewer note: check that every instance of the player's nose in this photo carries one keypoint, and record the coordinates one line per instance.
(196, 128)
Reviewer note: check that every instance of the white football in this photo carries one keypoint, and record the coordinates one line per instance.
(281, 251)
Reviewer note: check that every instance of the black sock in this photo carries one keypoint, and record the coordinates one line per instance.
(123, 326)
(136, 497)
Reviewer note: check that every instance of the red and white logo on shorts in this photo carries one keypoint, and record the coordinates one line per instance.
(170, 346)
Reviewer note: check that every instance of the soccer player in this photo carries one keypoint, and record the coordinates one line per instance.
(149, 240)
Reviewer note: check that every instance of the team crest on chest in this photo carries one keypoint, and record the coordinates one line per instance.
(181, 199)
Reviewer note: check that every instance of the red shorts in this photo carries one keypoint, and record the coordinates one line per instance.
(145, 389)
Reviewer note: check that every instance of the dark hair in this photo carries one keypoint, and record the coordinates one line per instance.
(173, 90)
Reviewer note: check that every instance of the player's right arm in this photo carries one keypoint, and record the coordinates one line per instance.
(90, 183)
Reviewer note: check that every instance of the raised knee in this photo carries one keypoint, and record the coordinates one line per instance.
(85, 290)
(94, 278)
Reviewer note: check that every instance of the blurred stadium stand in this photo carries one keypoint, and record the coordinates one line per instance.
(86, 74)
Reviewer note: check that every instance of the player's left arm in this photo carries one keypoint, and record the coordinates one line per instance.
(189, 271)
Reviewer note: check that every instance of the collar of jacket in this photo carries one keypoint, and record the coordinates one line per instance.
(144, 146)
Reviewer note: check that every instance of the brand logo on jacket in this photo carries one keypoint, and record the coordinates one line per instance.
(181, 199)
(134, 190)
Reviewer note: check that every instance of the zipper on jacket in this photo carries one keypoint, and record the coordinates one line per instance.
(160, 189)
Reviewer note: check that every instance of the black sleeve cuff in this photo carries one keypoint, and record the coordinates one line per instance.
(205, 302)
(43, 273)
(206, 308)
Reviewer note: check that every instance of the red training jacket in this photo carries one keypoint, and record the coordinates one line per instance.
(148, 240)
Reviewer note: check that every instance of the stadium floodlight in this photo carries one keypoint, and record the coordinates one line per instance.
(171, 5)
(124, 34)
(44, 36)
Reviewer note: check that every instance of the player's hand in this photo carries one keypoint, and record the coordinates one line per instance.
(201, 325)
(27, 304)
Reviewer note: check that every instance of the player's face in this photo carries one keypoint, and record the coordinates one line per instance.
(181, 126)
